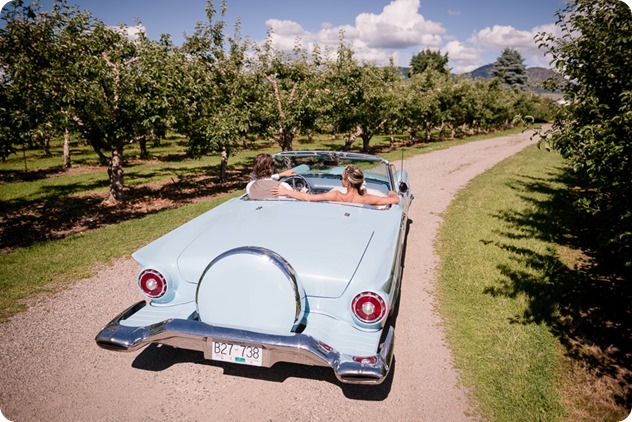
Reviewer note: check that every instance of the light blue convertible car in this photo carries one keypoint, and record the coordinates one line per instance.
(257, 282)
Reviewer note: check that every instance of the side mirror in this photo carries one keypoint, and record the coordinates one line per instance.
(403, 187)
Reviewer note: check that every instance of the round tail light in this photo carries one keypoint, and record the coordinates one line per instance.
(368, 307)
(152, 283)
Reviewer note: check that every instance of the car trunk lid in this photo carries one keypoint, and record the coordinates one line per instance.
(324, 243)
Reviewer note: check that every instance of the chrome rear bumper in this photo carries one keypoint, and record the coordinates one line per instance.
(296, 348)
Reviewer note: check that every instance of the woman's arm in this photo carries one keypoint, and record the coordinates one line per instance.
(327, 196)
(284, 173)
(391, 198)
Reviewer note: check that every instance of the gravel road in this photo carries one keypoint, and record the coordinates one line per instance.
(52, 370)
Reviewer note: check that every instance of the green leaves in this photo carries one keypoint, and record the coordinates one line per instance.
(429, 60)
(593, 130)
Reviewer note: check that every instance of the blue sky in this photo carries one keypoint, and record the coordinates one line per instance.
(472, 33)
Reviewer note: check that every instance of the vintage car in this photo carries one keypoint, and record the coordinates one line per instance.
(257, 282)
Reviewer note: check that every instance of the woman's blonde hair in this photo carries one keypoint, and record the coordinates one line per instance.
(355, 177)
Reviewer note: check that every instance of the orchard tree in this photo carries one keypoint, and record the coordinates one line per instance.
(39, 53)
(288, 100)
(155, 80)
(64, 67)
(510, 69)
(119, 97)
(496, 105)
(341, 94)
(24, 38)
(593, 129)
(431, 60)
(103, 98)
(216, 93)
(361, 97)
(420, 106)
(377, 100)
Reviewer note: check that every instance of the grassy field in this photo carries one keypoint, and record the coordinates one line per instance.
(502, 249)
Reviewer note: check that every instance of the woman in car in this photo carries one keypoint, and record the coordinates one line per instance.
(353, 180)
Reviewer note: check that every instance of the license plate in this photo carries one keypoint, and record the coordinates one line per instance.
(237, 353)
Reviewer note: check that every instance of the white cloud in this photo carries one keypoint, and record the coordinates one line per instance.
(285, 33)
(463, 59)
(132, 33)
(502, 36)
(285, 28)
(374, 37)
(398, 26)
(495, 39)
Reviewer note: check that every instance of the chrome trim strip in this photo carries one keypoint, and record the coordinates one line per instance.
(296, 348)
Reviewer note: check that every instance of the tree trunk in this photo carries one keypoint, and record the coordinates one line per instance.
(224, 166)
(366, 138)
(365, 144)
(349, 140)
(143, 148)
(115, 171)
(285, 139)
(156, 136)
(442, 132)
(67, 149)
(47, 146)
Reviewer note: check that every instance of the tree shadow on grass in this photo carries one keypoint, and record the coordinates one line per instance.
(59, 215)
(587, 307)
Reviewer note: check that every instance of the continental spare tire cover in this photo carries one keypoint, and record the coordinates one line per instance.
(251, 288)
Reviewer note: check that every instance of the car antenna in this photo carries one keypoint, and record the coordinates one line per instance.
(402, 186)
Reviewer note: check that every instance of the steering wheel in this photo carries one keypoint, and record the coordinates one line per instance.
(298, 183)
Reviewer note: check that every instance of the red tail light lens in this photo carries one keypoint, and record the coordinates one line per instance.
(152, 283)
(367, 360)
(325, 346)
(368, 307)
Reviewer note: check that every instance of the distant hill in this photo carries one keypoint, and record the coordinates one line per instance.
(484, 72)
(536, 75)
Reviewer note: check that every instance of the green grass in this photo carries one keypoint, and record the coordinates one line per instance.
(168, 163)
(496, 254)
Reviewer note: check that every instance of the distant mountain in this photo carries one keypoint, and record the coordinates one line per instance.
(541, 74)
(484, 72)
(536, 75)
